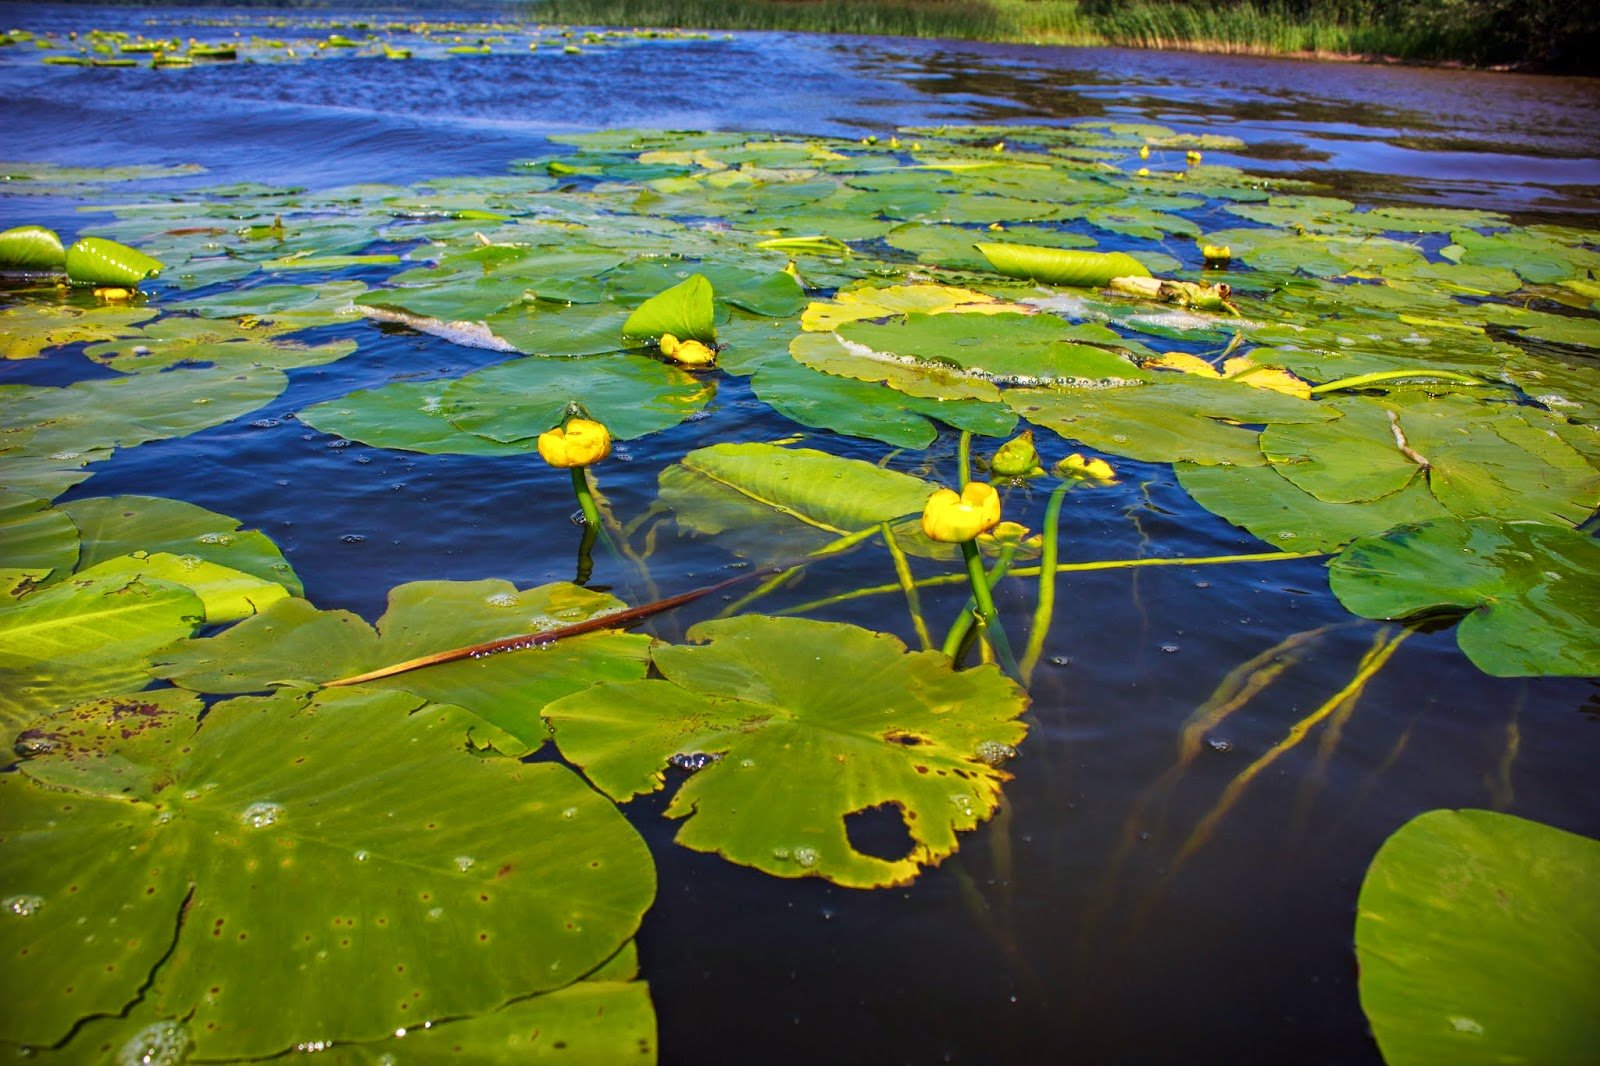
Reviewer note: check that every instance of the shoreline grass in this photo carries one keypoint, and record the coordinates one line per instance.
(1515, 34)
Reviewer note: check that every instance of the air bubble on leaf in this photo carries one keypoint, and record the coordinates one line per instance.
(223, 539)
(464, 862)
(1466, 1025)
(362, 856)
(963, 803)
(782, 854)
(570, 813)
(1286, 534)
(501, 599)
(433, 916)
(189, 562)
(692, 761)
(994, 752)
(23, 905)
(806, 857)
(261, 815)
(158, 1044)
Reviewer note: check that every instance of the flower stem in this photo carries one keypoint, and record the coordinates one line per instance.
(983, 612)
(1393, 375)
(1044, 612)
(580, 487)
(964, 459)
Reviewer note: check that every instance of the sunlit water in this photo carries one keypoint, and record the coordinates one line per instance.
(1065, 930)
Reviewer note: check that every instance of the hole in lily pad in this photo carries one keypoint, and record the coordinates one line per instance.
(880, 832)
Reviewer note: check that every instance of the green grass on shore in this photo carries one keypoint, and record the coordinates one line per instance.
(1549, 34)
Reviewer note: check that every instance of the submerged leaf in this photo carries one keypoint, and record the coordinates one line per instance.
(798, 748)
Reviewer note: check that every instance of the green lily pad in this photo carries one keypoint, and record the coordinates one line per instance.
(1477, 936)
(35, 537)
(631, 395)
(831, 354)
(408, 416)
(762, 498)
(685, 311)
(115, 526)
(1008, 347)
(879, 727)
(1531, 592)
(342, 864)
(78, 639)
(1475, 458)
(537, 327)
(293, 643)
(96, 261)
(1270, 506)
(28, 329)
(31, 248)
(173, 341)
(871, 410)
(1194, 419)
(226, 594)
(1059, 266)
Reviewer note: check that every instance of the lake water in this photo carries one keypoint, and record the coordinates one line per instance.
(1063, 930)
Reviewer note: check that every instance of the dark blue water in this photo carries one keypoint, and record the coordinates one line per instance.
(1061, 931)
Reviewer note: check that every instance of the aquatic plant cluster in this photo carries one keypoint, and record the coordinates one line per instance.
(389, 40)
(294, 829)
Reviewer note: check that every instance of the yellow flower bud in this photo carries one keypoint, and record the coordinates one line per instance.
(1193, 157)
(113, 294)
(693, 354)
(1078, 468)
(579, 443)
(954, 519)
(1216, 252)
(1142, 172)
(1144, 151)
(1017, 457)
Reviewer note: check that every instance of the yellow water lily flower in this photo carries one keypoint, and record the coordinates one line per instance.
(579, 443)
(686, 353)
(953, 518)
(1144, 151)
(1216, 253)
(1142, 172)
(1078, 468)
(1193, 157)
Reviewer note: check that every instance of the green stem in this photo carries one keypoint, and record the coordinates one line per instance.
(580, 487)
(962, 626)
(964, 460)
(1044, 612)
(908, 584)
(1393, 375)
(844, 543)
(983, 610)
(1061, 568)
(585, 554)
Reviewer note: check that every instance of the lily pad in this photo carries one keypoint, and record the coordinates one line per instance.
(119, 525)
(293, 643)
(317, 891)
(799, 748)
(1475, 458)
(78, 639)
(685, 311)
(35, 537)
(409, 416)
(631, 395)
(31, 248)
(1530, 593)
(1477, 936)
(1007, 347)
(226, 594)
(1059, 266)
(29, 329)
(745, 493)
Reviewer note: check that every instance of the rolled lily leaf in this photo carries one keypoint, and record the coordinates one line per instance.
(685, 311)
(1062, 266)
(96, 261)
(31, 248)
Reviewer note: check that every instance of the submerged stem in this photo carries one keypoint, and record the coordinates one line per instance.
(580, 488)
(844, 543)
(908, 585)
